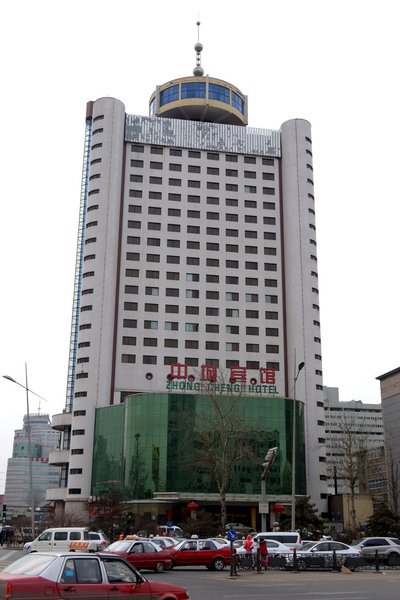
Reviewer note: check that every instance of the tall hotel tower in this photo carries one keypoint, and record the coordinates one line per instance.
(196, 249)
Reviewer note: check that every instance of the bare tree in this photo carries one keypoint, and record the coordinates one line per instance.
(393, 478)
(220, 438)
(349, 447)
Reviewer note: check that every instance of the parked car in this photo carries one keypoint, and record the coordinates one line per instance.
(143, 554)
(240, 528)
(320, 554)
(388, 549)
(289, 538)
(100, 538)
(58, 575)
(274, 548)
(62, 538)
(201, 552)
(163, 541)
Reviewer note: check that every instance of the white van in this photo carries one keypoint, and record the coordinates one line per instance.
(62, 539)
(289, 538)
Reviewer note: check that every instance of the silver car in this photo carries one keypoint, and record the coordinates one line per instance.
(386, 548)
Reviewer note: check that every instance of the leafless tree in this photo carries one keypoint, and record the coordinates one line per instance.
(393, 478)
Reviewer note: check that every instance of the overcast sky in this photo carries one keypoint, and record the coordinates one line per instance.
(332, 63)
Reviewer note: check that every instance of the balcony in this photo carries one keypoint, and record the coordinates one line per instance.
(61, 421)
(59, 458)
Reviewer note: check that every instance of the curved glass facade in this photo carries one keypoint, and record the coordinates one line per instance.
(198, 89)
(150, 444)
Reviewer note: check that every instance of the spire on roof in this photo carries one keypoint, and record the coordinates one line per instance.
(198, 70)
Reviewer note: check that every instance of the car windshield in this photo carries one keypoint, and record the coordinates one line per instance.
(120, 546)
(32, 564)
(307, 545)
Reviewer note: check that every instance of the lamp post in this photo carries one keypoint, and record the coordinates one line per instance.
(28, 427)
(268, 462)
(293, 518)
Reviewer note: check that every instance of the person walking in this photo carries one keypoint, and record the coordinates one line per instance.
(263, 550)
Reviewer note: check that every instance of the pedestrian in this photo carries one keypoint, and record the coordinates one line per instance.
(2, 532)
(248, 544)
(263, 550)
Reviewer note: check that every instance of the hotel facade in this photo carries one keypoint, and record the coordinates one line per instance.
(196, 267)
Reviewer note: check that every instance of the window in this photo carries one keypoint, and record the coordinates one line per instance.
(151, 291)
(269, 235)
(250, 204)
(250, 234)
(135, 209)
(192, 344)
(231, 232)
(172, 275)
(251, 297)
(175, 167)
(212, 156)
(192, 294)
(172, 308)
(173, 259)
(271, 283)
(93, 207)
(136, 178)
(150, 325)
(155, 180)
(132, 256)
(191, 327)
(212, 295)
(150, 274)
(272, 349)
(128, 341)
(232, 312)
(250, 219)
(192, 310)
(250, 175)
(194, 199)
(251, 281)
(231, 217)
(212, 328)
(154, 210)
(232, 264)
(271, 315)
(252, 314)
(271, 331)
(95, 146)
(156, 150)
(171, 325)
(96, 131)
(231, 172)
(172, 292)
(194, 154)
(175, 152)
(153, 241)
(149, 360)
(212, 171)
(193, 214)
(129, 323)
(192, 277)
(212, 311)
(269, 191)
(90, 240)
(193, 260)
(170, 343)
(192, 183)
(128, 358)
(193, 169)
(134, 240)
(213, 216)
(231, 296)
(212, 246)
(212, 185)
(174, 197)
(270, 251)
(270, 267)
(95, 176)
(192, 245)
(268, 176)
(212, 345)
(250, 249)
(150, 342)
(268, 161)
(130, 305)
(212, 278)
(269, 221)
(135, 193)
(174, 212)
(250, 189)
(155, 195)
(233, 329)
(134, 224)
(150, 307)
(231, 248)
(252, 347)
(231, 280)
(231, 187)
(231, 202)
(250, 160)
(175, 182)
(152, 258)
(212, 231)
(271, 299)
(174, 243)
(137, 148)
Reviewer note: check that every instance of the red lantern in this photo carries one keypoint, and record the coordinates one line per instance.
(278, 508)
(193, 506)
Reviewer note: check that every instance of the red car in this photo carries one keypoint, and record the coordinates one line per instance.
(201, 552)
(143, 554)
(81, 575)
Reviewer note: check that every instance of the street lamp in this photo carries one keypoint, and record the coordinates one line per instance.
(293, 519)
(28, 427)
(268, 462)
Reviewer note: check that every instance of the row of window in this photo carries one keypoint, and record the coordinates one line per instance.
(178, 167)
(176, 243)
(210, 185)
(190, 361)
(192, 345)
(177, 212)
(173, 308)
(250, 160)
(209, 327)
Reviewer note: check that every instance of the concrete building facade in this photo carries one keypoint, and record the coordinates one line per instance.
(196, 261)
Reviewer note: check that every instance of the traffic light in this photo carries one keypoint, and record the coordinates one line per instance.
(4, 515)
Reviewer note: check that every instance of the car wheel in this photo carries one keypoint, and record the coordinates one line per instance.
(301, 564)
(218, 564)
(393, 559)
(159, 568)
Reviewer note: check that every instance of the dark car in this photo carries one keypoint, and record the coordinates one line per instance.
(62, 575)
(201, 552)
(143, 554)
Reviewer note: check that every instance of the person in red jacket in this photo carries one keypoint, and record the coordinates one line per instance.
(263, 550)
(248, 544)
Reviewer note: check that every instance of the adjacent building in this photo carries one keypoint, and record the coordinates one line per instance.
(196, 266)
(353, 429)
(43, 441)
